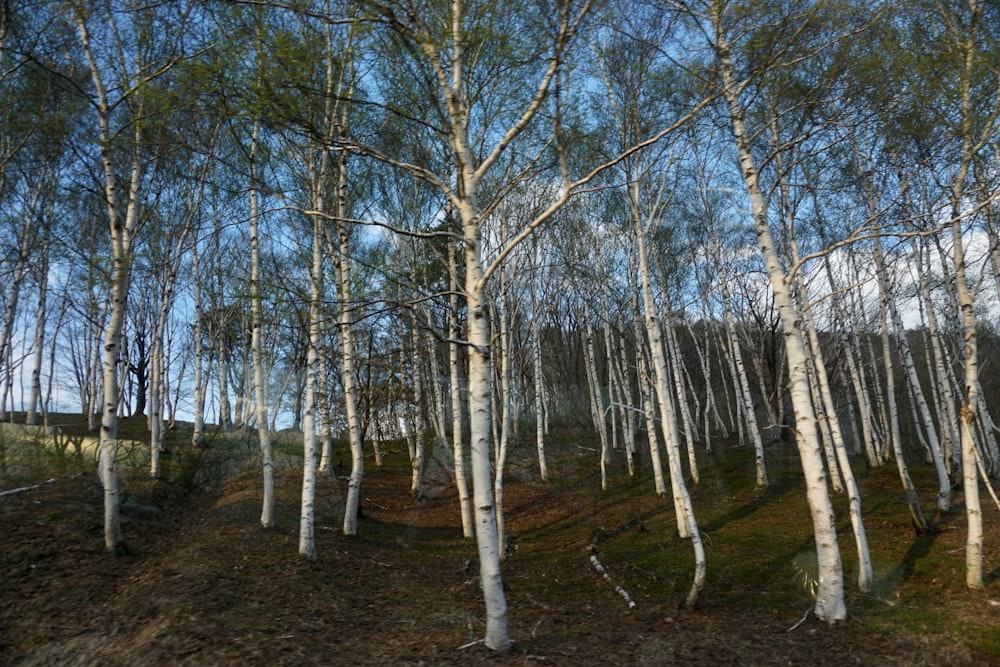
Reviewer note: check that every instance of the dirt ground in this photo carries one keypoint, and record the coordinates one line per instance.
(203, 584)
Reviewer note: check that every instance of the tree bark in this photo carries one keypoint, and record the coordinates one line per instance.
(830, 606)
(260, 376)
(458, 411)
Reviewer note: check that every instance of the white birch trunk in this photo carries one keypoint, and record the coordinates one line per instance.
(964, 298)
(645, 396)
(505, 399)
(621, 396)
(198, 432)
(536, 357)
(823, 422)
(17, 276)
(438, 412)
(857, 524)
(847, 472)
(731, 391)
(95, 375)
(596, 400)
(347, 344)
(123, 231)
(457, 410)
(307, 540)
(447, 64)
(616, 399)
(487, 543)
(319, 161)
(916, 515)
(829, 606)
(743, 396)
(156, 426)
(926, 419)
(38, 344)
(864, 401)
(325, 406)
(970, 474)
(850, 355)
(225, 417)
(674, 363)
(711, 406)
(417, 420)
(987, 428)
(868, 368)
(942, 395)
(158, 353)
(686, 523)
(57, 327)
(256, 342)
(624, 382)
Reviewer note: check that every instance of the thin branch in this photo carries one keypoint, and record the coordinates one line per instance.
(574, 188)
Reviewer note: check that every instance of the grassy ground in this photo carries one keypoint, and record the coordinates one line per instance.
(203, 584)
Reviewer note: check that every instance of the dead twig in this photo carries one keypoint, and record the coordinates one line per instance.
(803, 619)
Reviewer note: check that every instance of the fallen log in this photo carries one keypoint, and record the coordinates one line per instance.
(604, 573)
(22, 489)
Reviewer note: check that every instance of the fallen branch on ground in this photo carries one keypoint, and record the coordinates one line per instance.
(803, 619)
(24, 488)
(604, 573)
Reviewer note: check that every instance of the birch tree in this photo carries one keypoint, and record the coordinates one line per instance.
(974, 132)
(460, 60)
(829, 605)
(943, 131)
(318, 166)
(168, 243)
(260, 374)
(333, 127)
(741, 384)
(129, 72)
(916, 515)
(458, 409)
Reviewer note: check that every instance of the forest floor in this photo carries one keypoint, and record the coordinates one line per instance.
(204, 584)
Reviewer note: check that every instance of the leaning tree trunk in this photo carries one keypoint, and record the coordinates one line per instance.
(850, 357)
(926, 419)
(687, 525)
(840, 450)
(619, 390)
(916, 515)
(646, 397)
(123, 229)
(853, 493)
(830, 606)
(744, 398)
(675, 365)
